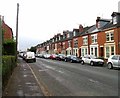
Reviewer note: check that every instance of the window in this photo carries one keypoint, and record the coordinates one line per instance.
(84, 51)
(107, 52)
(75, 43)
(94, 50)
(107, 37)
(110, 50)
(115, 20)
(69, 44)
(94, 38)
(91, 51)
(115, 57)
(68, 35)
(110, 36)
(74, 33)
(85, 40)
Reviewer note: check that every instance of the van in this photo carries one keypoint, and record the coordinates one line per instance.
(30, 56)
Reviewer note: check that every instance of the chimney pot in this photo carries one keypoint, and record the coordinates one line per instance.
(80, 28)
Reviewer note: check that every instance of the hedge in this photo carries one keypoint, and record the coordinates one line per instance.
(8, 64)
(9, 47)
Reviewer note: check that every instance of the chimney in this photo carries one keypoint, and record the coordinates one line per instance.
(2, 18)
(97, 22)
(80, 28)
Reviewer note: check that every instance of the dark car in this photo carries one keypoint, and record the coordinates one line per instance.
(60, 57)
(72, 58)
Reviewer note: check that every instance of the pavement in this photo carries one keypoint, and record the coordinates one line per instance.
(22, 82)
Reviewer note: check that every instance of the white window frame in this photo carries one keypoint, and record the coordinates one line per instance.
(74, 33)
(75, 50)
(110, 51)
(114, 20)
(59, 37)
(109, 33)
(94, 40)
(69, 43)
(75, 42)
(83, 50)
(85, 40)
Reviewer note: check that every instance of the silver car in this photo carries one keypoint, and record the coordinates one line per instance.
(113, 61)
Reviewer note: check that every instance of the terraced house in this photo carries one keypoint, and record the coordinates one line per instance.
(101, 39)
(7, 31)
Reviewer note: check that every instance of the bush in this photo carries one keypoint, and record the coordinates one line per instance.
(8, 64)
(9, 47)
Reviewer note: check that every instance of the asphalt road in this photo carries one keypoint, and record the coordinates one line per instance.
(61, 78)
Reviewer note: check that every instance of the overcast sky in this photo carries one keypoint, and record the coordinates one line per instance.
(40, 20)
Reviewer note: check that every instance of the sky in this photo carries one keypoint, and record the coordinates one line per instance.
(40, 20)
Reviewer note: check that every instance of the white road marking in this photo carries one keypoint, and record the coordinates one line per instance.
(60, 71)
(42, 70)
(25, 75)
(94, 81)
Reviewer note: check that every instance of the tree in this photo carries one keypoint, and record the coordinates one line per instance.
(33, 49)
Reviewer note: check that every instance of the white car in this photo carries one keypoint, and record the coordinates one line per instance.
(113, 61)
(92, 60)
(46, 56)
(30, 56)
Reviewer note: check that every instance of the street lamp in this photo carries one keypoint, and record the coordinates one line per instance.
(17, 28)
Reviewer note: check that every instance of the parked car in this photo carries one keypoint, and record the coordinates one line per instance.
(53, 56)
(92, 60)
(47, 56)
(72, 58)
(29, 56)
(60, 57)
(113, 61)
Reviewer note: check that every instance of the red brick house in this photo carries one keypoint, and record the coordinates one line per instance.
(101, 39)
(7, 31)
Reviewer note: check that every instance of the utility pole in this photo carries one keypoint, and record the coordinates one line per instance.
(17, 29)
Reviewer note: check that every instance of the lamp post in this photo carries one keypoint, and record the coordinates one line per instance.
(0, 56)
(17, 29)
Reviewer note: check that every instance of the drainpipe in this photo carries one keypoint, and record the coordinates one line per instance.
(88, 44)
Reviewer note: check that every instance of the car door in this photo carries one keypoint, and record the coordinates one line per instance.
(87, 59)
(115, 60)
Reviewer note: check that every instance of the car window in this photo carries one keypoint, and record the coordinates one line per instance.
(115, 57)
(119, 57)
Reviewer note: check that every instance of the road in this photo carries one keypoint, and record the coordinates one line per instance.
(61, 78)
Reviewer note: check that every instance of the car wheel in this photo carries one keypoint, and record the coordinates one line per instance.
(91, 63)
(82, 62)
(110, 66)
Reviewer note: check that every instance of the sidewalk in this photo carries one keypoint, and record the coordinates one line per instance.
(22, 82)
